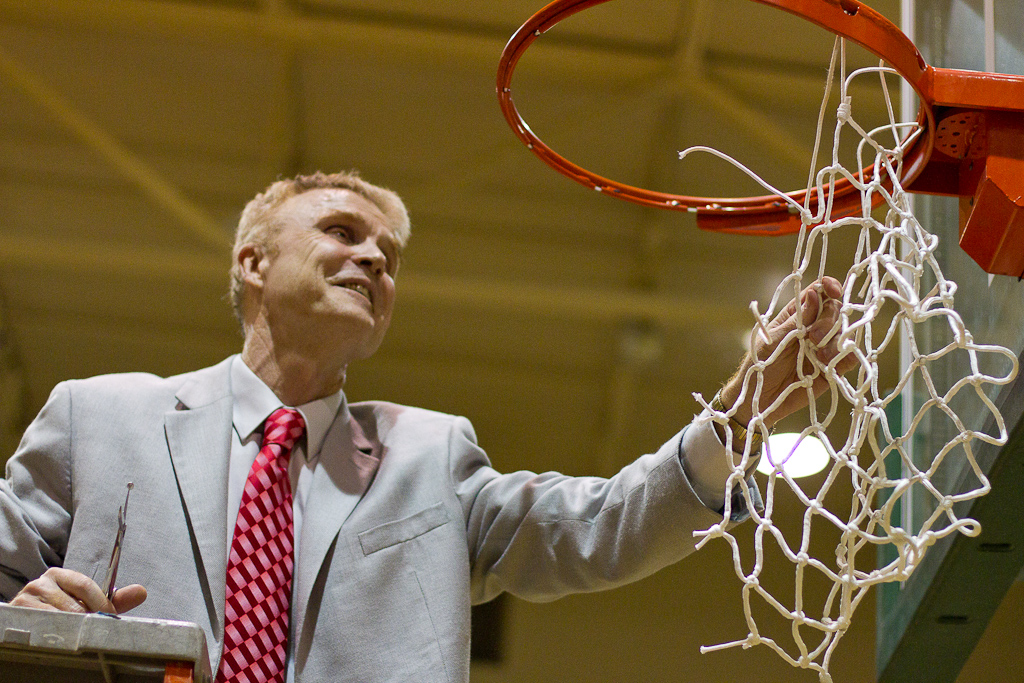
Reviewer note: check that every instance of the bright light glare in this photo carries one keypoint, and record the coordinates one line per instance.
(797, 457)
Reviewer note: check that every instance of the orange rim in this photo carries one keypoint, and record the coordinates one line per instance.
(744, 215)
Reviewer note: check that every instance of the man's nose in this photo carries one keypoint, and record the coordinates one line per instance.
(368, 255)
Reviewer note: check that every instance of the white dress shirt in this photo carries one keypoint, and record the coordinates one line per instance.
(254, 401)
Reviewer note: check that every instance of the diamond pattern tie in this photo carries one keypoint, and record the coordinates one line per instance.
(259, 575)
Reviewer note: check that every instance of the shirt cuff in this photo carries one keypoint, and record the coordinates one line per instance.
(706, 461)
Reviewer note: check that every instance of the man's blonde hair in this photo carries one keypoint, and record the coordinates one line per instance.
(257, 224)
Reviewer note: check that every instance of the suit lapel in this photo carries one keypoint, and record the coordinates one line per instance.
(199, 440)
(348, 462)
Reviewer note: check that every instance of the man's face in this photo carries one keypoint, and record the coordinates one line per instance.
(329, 274)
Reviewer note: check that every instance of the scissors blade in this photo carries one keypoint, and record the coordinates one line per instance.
(115, 555)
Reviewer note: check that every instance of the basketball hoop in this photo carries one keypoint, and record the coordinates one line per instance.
(987, 109)
(967, 141)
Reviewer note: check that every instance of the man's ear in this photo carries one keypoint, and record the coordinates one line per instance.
(250, 260)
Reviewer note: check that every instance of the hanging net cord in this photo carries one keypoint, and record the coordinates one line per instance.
(894, 261)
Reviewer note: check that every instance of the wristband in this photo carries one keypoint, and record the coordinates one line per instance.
(738, 429)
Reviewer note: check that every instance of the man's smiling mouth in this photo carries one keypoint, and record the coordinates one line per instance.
(361, 289)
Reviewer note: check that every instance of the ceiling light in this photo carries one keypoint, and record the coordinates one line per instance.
(798, 457)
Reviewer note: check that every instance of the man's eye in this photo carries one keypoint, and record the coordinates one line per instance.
(340, 232)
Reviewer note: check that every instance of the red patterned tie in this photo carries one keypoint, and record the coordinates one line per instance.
(259, 576)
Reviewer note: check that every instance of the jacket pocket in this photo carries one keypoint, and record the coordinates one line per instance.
(402, 530)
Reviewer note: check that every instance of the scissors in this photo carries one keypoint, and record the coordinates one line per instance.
(115, 555)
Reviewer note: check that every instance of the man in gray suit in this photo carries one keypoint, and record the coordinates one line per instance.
(399, 523)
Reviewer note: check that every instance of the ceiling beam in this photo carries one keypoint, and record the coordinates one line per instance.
(287, 117)
(316, 33)
(689, 54)
(689, 78)
(752, 121)
(610, 306)
(154, 185)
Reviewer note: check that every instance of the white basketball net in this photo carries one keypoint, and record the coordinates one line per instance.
(894, 262)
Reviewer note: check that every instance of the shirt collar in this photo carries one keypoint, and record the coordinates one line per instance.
(254, 401)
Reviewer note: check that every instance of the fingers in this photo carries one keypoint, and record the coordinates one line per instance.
(833, 287)
(811, 305)
(63, 590)
(129, 597)
(845, 364)
(822, 302)
(786, 320)
(820, 328)
(786, 315)
(812, 310)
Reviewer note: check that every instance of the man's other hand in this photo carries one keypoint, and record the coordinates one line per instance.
(65, 590)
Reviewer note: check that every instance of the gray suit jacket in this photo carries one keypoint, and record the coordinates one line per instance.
(406, 523)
